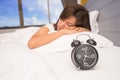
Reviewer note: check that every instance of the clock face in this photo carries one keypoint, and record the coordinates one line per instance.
(85, 56)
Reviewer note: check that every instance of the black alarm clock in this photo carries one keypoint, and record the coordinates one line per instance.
(84, 56)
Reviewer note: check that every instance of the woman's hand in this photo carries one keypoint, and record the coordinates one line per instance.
(72, 30)
(81, 29)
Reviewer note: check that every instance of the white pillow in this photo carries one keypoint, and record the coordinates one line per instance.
(64, 43)
(93, 21)
(61, 44)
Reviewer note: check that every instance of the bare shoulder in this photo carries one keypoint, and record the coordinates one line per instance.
(43, 30)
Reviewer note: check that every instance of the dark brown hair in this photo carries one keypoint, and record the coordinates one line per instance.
(79, 12)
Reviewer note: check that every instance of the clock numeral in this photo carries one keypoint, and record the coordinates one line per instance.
(92, 56)
(78, 56)
(85, 49)
(86, 64)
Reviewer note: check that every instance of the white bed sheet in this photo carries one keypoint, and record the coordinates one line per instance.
(107, 67)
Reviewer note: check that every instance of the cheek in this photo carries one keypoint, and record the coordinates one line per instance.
(60, 25)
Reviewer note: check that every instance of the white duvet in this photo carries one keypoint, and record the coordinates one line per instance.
(107, 67)
(18, 63)
(53, 61)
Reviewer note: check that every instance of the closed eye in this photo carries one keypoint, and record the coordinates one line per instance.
(70, 24)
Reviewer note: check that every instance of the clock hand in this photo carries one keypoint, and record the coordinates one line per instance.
(92, 56)
(85, 56)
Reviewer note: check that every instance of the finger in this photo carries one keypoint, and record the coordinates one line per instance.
(78, 29)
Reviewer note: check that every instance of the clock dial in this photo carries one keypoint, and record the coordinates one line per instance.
(85, 56)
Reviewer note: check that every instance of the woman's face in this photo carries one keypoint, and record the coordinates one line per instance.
(69, 22)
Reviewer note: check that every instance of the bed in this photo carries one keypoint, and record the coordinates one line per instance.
(53, 61)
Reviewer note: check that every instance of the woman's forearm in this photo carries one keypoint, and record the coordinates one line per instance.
(38, 41)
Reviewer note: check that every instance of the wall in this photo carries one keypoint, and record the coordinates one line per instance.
(6, 30)
(83, 2)
(109, 18)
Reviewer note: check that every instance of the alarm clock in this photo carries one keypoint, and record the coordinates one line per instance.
(84, 56)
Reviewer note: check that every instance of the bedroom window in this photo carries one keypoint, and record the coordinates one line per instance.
(33, 12)
(56, 8)
(9, 16)
(38, 12)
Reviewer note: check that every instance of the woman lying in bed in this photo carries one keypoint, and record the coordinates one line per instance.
(73, 19)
